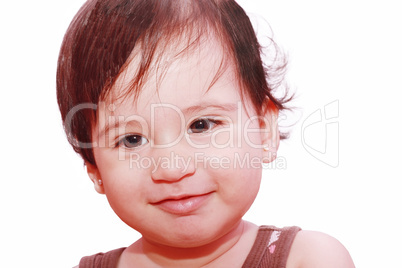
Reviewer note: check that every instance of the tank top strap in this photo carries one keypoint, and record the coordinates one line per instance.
(102, 260)
(271, 247)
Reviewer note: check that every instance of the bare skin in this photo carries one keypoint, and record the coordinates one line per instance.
(309, 250)
(315, 250)
(229, 250)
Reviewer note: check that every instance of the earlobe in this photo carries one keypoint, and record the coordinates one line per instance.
(270, 136)
(269, 154)
(94, 175)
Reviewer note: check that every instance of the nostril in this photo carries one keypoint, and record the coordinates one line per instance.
(172, 164)
(172, 170)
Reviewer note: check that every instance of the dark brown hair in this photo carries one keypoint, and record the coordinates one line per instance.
(100, 39)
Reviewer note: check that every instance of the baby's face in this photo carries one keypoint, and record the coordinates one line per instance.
(182, 163)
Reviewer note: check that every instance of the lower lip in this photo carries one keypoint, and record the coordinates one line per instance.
(185, 205)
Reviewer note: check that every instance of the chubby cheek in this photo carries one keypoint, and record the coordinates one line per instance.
(238, 178)
(122, 184)
(241, 186)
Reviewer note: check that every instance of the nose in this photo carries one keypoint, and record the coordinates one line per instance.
(173, 164)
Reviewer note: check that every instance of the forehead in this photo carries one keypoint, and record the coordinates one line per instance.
(183, 70)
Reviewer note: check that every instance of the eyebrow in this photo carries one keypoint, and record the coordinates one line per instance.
(116, 125)
(228, 107)
(108, 127)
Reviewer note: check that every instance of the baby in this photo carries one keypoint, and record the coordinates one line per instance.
(169, 105)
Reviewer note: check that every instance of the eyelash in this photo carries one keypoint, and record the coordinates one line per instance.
(124, 141)
(211, 124)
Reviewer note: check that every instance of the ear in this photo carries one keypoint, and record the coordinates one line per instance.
(94, 175)
(270, 134)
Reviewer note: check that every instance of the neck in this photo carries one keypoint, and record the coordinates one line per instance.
(209, 254)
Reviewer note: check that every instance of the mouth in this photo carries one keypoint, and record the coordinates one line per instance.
(182, 205)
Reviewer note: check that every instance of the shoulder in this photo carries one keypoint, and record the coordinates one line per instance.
(315, 249)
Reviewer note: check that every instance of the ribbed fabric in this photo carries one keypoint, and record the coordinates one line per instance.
(271, 247)
(270, 250)
(102, 260)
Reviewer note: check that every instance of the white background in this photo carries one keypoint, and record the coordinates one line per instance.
(341, 52)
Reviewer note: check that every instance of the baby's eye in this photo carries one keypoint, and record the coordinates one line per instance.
(202, 125)
(132, 141)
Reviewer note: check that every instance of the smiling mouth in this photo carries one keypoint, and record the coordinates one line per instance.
(183, 205)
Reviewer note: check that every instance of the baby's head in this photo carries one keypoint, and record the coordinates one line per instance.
(168, 104)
